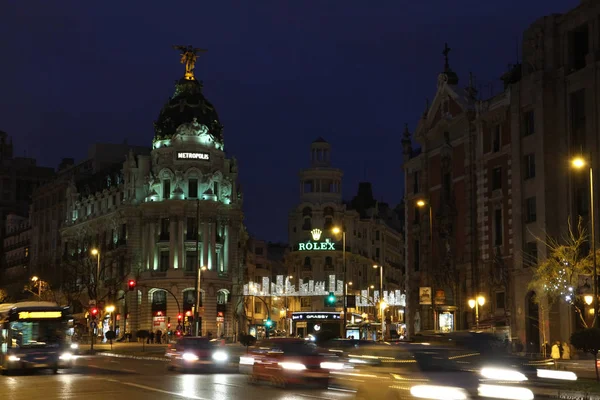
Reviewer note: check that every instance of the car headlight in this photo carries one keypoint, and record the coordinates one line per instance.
(66, 356)
(435, 392)
(505, 392)
(74, 346)
(554, 374)
(501, 374)
(332, 365)
(189, 357)
(292, 366)
(13, 358)
(220, 356)
(246, 360)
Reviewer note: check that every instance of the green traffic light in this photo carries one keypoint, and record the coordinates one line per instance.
(331, 298)
(269, 323)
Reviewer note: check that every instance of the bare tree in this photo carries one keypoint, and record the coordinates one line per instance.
(557, 276)
(3, 296)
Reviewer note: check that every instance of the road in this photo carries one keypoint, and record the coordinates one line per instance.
(99, 378)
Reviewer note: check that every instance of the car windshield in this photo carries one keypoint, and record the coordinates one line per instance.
(296, 349)
(199, 343)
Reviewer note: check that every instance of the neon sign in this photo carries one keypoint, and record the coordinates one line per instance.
(193, 155)
(39, 314)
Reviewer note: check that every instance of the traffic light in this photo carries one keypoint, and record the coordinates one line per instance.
(131, 285)
(330, 300)
(94, 312)
(268, 323)
(179, 318)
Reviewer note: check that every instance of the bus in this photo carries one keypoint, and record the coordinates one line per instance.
(35, 335)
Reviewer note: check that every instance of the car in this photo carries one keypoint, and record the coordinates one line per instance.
(192, 353)
(289, 361)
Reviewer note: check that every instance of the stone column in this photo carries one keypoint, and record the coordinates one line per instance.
(172, 243)
(213, 247)
(144, 246)
(225, 248)
(180, 244)
(205, 244)
(151, 245)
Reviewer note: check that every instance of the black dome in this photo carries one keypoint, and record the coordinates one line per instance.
(187, 104)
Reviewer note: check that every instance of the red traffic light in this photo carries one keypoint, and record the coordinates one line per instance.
(94, 311)
(131, 284)
(179, 317)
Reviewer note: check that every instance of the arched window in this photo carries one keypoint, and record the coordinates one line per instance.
(222, 296)
(328, 262)
(307, 261)
(328, 213)
(159, 301)
(306, 219)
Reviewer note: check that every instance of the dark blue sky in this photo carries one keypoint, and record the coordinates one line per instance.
(280, 73)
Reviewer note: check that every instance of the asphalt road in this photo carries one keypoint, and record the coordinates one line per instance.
(99, 377)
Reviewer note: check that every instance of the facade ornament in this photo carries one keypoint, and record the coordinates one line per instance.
(189, 55)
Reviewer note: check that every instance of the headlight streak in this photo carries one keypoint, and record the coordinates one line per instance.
(66, 356)
(501, 374)
(434, 392)
(292, 366)
(220, 356)
(505, 392)
(554, 374)
(189, 357)
(332, 365)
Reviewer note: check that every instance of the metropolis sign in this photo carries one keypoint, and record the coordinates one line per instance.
(193, 155)
(315, 244)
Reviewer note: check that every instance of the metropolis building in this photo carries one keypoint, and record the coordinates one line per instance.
(157, 214)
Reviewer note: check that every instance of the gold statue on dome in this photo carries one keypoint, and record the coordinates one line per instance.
(189, 55)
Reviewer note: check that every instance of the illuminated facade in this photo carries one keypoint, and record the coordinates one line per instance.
(165, 215)
(372, 238)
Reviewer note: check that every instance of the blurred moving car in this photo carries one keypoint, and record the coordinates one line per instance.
(288, 361)
(192, 353)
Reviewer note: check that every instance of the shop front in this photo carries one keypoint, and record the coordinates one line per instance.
(445, 318)
(306, 324)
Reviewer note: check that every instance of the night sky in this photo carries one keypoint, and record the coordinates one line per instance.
(280, 74)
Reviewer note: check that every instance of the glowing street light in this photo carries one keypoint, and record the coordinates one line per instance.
(476, 303)
(580, 163)
(588, 299)
(337, 230)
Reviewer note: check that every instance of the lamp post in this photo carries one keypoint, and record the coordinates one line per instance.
(369, 297)
(342, 230)
(113, 317)
(198, 330)
(38, 282)
(579, 163)
(381, 300)
(422, 204)
(475, 303)
(95, 252)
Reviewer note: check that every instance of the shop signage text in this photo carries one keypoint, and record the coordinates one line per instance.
(193, 155)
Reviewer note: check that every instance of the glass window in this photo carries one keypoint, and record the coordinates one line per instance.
(193, 188)
(530, 210)
(528, 123)
(166, 189)
(496, 139)
(529, 166)
(497, 178)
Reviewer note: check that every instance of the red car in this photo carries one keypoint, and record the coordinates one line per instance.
(286, 361)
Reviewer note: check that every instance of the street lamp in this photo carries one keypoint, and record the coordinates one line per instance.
(37, 281)
(476, 303)
(113, 317)
(422, 204)
(580, 163)
(95, 252)
(382, 304)
(337, 230)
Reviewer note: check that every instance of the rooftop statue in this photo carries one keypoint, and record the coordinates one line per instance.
(189, 55)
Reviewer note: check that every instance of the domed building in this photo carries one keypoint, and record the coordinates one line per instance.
(163, 217)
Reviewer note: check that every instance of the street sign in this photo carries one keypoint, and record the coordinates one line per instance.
(92, 303)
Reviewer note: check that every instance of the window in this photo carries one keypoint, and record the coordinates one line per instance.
(500, 300)
(328, 262)
(164, 261)
(305, 302)
(307, 216)
(377, 253)
(530, 256)
(579, 47)
(308, 186)
(417, 249)
(416, 182)
(530, 210)
(192, 229)
(307, 261)
(166, 189)
(376, 235)
(191, 260)
(417, 215)
(216, 189)
(496, 139)
(222, 296)
(193, 188)
(529, 166)
(497, 178)
(498, 227)
(164, 229)
(528, 123)
(258, 307)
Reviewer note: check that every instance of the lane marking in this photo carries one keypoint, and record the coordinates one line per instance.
(153, 389)
(128, 370)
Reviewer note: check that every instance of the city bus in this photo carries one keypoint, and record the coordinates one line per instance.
(35, 335)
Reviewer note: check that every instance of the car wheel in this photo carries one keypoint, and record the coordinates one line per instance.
(252, 379)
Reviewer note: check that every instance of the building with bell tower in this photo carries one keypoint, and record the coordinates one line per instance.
(175, 211)
(371, 240)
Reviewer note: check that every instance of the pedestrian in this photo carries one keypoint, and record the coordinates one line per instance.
(555, 354)
(158, 336)
(566, 351)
